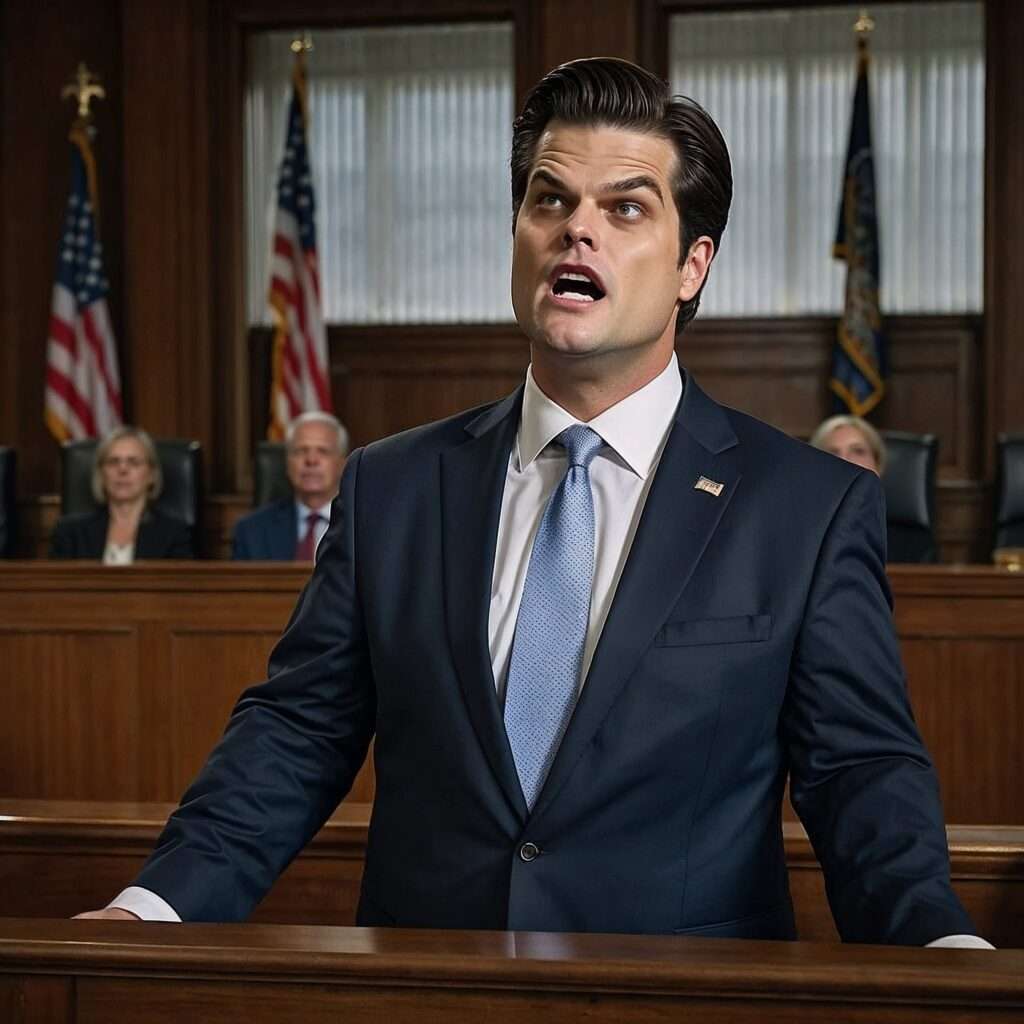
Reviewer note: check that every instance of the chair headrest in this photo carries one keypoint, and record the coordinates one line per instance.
(909, 479)
(180, 463)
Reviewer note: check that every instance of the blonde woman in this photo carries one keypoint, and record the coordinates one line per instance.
(126, 479)
(853, 439)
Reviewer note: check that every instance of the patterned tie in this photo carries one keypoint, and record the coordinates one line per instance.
(547, 652)
(306, 548)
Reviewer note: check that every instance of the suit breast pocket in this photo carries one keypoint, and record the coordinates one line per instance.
(734, 629)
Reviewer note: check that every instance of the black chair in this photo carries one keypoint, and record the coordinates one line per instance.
(8, 509)
(180, 462)
(270, 474)
(909, 484)
(1009, 532)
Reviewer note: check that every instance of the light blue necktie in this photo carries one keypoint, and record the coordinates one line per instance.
(547, 652)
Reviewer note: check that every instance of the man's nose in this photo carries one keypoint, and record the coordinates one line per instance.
(580, 229)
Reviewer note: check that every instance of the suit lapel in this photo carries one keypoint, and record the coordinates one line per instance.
(472, 484)
(96, 532)
(677, 523)
(282, 535)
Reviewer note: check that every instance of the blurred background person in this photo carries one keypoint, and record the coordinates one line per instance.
(289, 530)
(126, 479)
(853, 439)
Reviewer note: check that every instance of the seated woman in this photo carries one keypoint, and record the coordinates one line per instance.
(126, 478)
(853, 439)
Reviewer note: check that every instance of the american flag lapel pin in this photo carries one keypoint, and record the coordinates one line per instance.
(713, 487)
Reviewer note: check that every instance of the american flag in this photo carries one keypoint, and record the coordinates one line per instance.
(299, 381)
(83, 387)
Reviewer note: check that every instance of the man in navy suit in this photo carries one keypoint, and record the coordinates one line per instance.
(316, 445)
(737, 628)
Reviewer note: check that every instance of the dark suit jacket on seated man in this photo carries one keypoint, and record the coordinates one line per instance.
(316, 445)
(736, 623)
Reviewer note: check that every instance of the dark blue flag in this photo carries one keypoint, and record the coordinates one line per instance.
(860, 365)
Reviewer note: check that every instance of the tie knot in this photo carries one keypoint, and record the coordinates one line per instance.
(581, 444)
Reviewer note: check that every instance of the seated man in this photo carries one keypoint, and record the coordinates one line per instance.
(291, 528)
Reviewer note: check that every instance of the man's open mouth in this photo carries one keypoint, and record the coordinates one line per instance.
(579, 287)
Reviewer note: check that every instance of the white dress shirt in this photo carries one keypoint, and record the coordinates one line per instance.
(635, 431)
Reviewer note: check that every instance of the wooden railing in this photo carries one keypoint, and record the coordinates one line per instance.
(88, 972)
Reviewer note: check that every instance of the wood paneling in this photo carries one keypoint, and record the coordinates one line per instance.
(210, 974)
(84, 676)
(778, 370)
(114, 668)
(1004, 219)
(168, 177)
(59, 857)
(120, 683)
(571, 29)
(962, 638)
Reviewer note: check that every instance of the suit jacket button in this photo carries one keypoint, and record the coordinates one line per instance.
(529, 851)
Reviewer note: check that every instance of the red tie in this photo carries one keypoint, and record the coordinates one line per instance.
(306, 548)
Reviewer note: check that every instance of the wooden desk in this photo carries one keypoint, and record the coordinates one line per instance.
(59, 857)
(98, 972)
(117, 682)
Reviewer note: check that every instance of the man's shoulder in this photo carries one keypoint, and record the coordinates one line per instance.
(266, 514)
(443, 434)
(767, 449)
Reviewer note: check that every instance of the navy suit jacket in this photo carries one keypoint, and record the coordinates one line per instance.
(750, 636)
(85, 536)
(269, 534)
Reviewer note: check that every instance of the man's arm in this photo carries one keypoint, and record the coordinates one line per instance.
(290, 752)
(861, 780)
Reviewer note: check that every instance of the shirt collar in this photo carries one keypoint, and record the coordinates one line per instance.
(635, 428)
(305, 511)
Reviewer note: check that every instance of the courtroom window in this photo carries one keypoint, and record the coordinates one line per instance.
(780, 85)
(408, 135)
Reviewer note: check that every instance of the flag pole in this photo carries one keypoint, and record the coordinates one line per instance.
(83, 89)
(300, 46)
(82, 386)
(300, 373)
(860, 365)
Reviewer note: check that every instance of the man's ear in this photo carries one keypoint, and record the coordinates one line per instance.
(695, 268)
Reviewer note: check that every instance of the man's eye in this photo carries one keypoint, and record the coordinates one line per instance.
(550, 200)
(631, 211)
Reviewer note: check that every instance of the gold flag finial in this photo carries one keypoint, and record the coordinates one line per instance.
(84, 89)
(864, 25)
(302, 44)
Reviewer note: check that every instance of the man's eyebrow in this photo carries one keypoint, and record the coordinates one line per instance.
(632, 184)
(553, 180)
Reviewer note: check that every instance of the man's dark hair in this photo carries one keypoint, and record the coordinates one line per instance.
(618, 94)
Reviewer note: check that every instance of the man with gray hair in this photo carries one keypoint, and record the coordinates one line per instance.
(290, 529)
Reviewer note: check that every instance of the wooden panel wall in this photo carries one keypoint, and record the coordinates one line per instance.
(170, 172)
(120, 681)
(119, 685)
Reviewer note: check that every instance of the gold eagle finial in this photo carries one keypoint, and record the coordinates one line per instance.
(84, 88)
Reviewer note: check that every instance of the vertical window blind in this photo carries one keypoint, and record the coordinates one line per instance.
(409, 135)
(780, 85)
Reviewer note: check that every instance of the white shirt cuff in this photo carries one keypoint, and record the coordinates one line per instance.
(961, 942)
(144, 904)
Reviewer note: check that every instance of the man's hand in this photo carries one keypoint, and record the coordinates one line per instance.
(109, 914)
